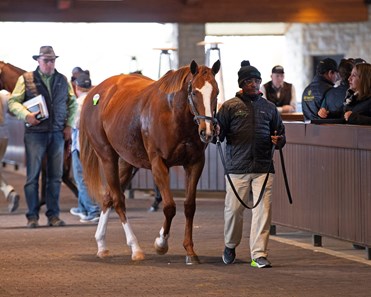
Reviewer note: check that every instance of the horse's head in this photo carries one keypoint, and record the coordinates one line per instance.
(202, 97)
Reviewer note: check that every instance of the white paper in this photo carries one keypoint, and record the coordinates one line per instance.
(37, 104)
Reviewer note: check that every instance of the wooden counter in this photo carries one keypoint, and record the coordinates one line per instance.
(329, 171)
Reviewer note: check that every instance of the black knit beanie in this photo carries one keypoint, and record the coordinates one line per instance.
(246, 72)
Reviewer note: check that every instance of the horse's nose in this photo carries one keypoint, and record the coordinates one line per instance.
(205, 137)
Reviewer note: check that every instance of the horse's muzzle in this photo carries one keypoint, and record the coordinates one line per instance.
(207, 137)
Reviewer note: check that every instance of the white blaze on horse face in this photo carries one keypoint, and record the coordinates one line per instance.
(206, 91)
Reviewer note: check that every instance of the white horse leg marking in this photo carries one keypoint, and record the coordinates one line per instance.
(100, 234)
(132, 242)
(161, 244)
(206, 95)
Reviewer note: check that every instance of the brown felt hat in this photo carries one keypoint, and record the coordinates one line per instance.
(47, 52)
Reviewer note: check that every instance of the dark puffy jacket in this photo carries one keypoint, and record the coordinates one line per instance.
(57, 103)
(361, 112)
(313, 96)
(334, 100)
(247, 124)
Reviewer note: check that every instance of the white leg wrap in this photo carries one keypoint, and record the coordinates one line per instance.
(100, 233)
(162, 240)
(131, 239)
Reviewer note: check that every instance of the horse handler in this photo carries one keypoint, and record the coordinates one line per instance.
(251, 125)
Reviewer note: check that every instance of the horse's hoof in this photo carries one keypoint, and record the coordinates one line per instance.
(190, 260)
(161, 250)
(103, 254)
(138, 256)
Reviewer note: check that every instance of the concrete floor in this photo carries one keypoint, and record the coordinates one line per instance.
(62, 262)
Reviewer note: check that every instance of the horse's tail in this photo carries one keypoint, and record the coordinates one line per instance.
(90, 161)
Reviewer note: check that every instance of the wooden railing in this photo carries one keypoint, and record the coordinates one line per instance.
(329, 171)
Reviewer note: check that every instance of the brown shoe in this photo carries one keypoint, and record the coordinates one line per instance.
(32, 223)
(56, 222)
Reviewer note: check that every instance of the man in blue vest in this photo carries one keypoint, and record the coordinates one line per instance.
(44, 135)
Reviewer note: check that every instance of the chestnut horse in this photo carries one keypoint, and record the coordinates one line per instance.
(9, 75)
(132, 121)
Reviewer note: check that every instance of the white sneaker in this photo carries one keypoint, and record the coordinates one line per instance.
(77, 212)
(90, 219)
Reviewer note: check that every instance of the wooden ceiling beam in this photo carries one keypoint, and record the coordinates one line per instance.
(184, 11)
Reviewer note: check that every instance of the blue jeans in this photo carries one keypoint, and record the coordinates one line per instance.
(38, 145)
(85, 203)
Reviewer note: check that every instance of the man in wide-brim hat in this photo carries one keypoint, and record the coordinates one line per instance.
(46, 52)
(44, 136)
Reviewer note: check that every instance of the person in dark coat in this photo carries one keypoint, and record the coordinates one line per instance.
(314, 93)
(250, 124)
(357, 110)
(333, 103)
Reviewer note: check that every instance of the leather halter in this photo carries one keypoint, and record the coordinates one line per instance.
(194, 110)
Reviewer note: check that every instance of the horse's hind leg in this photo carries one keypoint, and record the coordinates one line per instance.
(125, 174)
(100, 234)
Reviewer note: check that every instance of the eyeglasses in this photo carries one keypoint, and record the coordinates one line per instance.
(253, 81)
(46, 61)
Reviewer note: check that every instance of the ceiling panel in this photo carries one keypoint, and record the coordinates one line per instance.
(184, 11)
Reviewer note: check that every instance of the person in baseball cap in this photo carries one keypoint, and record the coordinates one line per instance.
(326, 65)
(280, 93)
(314, 94)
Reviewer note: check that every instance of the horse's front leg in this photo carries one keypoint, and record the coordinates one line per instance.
(161, 177)
(193, 174)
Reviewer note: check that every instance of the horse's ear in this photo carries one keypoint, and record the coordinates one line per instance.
(194, 67)
(216, 67)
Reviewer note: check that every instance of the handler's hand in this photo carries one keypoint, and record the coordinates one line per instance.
(217, 129)
(276, 139)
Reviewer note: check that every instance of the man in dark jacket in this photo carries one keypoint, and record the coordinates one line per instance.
(44, 135)
(251, 125)
(314, 93)
(333, 103)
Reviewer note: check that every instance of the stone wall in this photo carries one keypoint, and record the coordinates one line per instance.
(303, 41)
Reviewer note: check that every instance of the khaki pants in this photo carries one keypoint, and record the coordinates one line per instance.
(261, 215)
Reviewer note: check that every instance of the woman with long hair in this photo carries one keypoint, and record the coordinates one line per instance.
(357, 108)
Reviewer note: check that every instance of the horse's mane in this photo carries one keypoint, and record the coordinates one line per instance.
(20, 70)
(173, 80)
